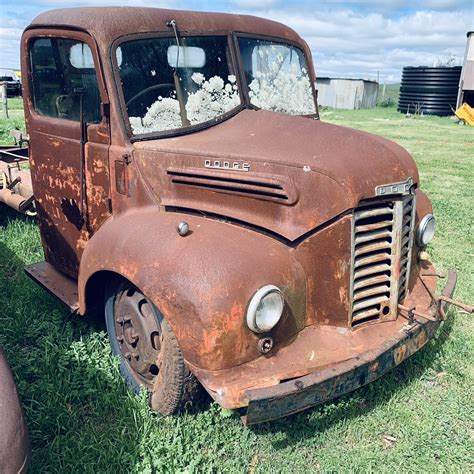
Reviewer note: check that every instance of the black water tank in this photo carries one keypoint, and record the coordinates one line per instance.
(431, 90)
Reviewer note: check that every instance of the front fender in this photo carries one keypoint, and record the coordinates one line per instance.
(201, 282)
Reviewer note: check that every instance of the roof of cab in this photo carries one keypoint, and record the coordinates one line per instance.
(106, 24)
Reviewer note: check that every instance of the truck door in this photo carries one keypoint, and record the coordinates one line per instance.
(70, 179)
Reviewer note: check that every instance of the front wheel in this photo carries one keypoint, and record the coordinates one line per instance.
(148, 349)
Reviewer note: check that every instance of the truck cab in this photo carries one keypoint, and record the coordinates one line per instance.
(187, 191)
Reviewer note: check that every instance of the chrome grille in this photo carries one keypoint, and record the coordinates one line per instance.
(382, 236)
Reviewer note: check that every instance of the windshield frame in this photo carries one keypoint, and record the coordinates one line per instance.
(274, 39)
(235, 64)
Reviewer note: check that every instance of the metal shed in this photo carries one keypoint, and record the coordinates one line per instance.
(344, 93)
(466, 83)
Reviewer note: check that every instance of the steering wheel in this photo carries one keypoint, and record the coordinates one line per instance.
(148, 89)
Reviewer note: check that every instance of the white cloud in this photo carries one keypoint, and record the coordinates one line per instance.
(254, 3)
(350, 43)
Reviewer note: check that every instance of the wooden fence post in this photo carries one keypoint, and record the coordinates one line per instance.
(3, 98)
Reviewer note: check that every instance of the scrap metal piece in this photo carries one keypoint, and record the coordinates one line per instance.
(465, 307)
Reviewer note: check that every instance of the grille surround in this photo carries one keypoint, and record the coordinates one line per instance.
(381, 247)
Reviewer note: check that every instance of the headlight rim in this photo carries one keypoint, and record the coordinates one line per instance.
(257, 297)
(422, 226)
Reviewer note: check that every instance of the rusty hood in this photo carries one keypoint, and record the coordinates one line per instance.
(285, 174)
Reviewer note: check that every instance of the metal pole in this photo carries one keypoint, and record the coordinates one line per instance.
(3, 96)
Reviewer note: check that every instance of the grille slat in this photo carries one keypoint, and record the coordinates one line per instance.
(370, 270)
(372, 247)
(371, 281)
(373, 213)
(375, 234)
(359, 294)
(374, 226)
(377, 257)
(382, 235)
(365, 314)
(367, 303)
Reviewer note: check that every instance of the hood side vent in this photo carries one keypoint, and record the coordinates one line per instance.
(251, 185)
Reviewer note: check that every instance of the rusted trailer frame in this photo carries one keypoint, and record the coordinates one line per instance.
(15, 180)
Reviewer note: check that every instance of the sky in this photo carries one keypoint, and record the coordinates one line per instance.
(360, 39)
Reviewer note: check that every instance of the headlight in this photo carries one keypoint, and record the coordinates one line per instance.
(426, 230)
(265, 309)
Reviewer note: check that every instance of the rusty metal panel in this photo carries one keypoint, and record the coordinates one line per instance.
(326, 182)
(61, 286)
(59, 180)
(108, 23)
(15, 450)
(121, 177)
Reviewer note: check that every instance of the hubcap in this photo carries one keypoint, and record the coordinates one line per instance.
(138, 334)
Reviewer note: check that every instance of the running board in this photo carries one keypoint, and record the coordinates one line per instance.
(58, 284)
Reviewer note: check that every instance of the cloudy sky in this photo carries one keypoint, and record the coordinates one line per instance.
(348, 38)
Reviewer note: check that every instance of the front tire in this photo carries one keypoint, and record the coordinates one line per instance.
(149, 352)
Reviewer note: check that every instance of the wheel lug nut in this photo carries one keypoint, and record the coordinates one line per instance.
(120, 338)
(135, 355)
(127, 355)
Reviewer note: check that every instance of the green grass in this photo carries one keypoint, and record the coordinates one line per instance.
(392, 93)
(15, 120)
(82, 418)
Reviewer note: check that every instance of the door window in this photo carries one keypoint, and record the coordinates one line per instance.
(63, 76)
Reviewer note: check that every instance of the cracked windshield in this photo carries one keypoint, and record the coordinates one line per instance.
(277, 77)
(168, 87)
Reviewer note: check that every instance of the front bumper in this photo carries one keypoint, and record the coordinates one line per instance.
(265, 404)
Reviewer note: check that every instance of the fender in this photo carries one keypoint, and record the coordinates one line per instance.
(423, 206)
(201, 282)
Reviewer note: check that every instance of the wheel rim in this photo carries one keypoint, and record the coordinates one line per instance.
(139, 335)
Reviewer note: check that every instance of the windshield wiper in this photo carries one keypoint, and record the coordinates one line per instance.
(177, 82)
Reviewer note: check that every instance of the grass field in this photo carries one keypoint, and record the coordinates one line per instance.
(418, 418)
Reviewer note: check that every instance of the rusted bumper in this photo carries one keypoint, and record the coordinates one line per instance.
(286, 398)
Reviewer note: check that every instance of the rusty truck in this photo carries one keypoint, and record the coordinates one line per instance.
(187, 192)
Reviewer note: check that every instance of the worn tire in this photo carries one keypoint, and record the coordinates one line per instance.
(174, 387)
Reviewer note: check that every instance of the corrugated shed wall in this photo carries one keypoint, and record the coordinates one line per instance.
(347, 93)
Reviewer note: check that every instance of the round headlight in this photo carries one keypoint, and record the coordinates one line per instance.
(426, 230)
(265, 309)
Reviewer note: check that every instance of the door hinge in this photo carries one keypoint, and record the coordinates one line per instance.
(127, 159)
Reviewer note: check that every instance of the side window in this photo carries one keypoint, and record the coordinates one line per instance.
(63, 74)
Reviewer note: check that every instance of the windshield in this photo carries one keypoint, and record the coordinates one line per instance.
(277, 76)
(167, 87)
